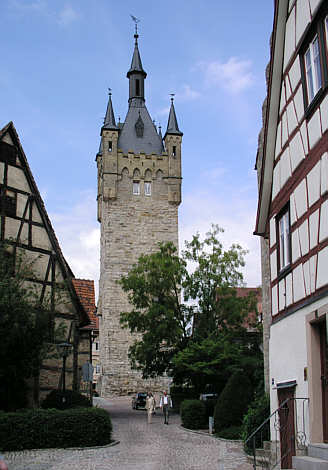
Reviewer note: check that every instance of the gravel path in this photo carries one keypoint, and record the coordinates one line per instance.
(141, 447)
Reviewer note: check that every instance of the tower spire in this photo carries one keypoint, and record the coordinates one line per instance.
(109, 121)
(172, 125)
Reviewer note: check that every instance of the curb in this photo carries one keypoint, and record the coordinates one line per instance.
(239, 441)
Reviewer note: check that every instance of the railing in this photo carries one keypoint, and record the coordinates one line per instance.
(287, 426)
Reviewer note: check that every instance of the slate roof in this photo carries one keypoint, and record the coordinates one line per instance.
(85, 291)
(109, 122)
(172, 124)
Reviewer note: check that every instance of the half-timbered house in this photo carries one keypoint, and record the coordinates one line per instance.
(24, 223)
(293, 216)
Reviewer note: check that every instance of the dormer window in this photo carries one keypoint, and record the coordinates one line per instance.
(110, 146)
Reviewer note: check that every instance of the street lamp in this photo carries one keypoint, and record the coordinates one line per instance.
(64, 350)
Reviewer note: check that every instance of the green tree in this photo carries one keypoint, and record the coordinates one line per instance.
(190, 322)
(24, 329)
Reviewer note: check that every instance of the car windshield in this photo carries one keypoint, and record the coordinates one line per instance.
(142, 395)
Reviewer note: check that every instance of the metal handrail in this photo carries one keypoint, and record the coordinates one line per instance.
(267, 421)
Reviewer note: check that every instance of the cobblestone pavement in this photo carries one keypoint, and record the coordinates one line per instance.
(141, 447)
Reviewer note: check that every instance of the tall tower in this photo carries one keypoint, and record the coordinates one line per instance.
(139, 192)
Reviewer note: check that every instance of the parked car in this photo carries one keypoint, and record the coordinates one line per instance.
(139, 400)
(208, 396)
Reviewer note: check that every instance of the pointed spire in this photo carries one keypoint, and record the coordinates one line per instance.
(136, 64)
(172, 125)
(109, 121)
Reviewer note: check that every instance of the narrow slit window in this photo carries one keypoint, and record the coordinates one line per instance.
(174, 151)
(137, 87)
(136, 188)
(147, 188)
(110, 146)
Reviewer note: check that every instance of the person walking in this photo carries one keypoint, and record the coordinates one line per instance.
(165, 404)
(150, 406)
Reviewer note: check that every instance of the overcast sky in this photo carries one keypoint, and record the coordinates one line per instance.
(59, 57)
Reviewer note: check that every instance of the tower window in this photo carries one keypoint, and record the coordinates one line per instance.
(136, 188)
(174, 151)
(137, 87)
(110, 146)
(147, 188)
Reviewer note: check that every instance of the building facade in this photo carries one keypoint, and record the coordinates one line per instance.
(27, 230)
(139, 192)
(292, 215)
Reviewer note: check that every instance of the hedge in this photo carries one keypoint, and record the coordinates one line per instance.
(233, 402)
(43, 429)
(193, 414)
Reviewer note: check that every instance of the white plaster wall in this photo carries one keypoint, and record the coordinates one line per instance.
(16, 179)
(292, 209)
(278, 140)
(296, 249)
(296, 151)
(314, 227)
(303, 18)
(285, 169)
(306, 272)
(299, 104)
(272, 231)
(323, 233)
(322, 269)
(282, 98)
(274, 299)
(324, 173)
(273, 265)
(21, 204)
(284, 132)
(295, 73)
(313, 180)
(313, 272)
(276, 180)
(304, 237)
(2, 167)
(314, 129)
(289, 37)
(304, 135)
(289, 289)
(324, 114)
(314, 5)
(298, 283)
(291, 116)
(36, 217)
(282, 295)
(300, 194)
(40, 238)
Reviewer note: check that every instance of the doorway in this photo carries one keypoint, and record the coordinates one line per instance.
(324, 377)
(287, 425)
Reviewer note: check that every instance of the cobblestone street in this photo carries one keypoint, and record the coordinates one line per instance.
(141, 447)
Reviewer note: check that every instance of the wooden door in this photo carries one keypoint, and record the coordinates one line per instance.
(324, 378)
(287, 426)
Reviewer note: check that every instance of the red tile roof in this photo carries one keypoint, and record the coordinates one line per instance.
(85, 291)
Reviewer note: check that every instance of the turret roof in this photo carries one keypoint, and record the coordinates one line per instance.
(172, 125)
(136, 64)
(109, 121)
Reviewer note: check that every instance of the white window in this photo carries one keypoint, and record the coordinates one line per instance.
(147, 188)
(136, 188)
(313, 69)
(284, 240)
(97, 345)
(97, 368)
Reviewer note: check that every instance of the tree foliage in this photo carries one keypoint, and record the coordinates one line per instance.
(189, 320)
(24, 328)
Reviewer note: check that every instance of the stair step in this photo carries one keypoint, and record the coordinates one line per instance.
(319, 450)
(309, 463)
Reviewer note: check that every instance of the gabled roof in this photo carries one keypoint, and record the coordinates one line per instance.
(85, 290)
(272, 114)
(65, 269)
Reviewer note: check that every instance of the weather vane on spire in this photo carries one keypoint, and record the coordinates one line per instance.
(136, 21)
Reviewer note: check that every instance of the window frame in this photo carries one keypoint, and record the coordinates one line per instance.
(147, 184)
(136, 193)
(287, 243)
(318, 28)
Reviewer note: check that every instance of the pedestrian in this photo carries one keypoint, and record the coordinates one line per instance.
(3, 465)
(150, 406)
(165, 404)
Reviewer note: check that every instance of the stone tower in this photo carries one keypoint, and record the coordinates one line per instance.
(139, 192)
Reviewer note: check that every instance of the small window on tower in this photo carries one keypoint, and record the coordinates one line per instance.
(138, 87)
(174, 151)
(147, 188)
(136, 188)
(110, 146)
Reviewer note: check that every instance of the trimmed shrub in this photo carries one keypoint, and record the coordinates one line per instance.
(257, 413)
(43, 429)
(233, 402)
(234, 432)
(179, 394)
(193, 414)
(65, 400)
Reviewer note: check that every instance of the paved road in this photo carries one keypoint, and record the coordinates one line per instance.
(142, 447)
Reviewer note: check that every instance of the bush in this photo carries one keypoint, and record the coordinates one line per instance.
(64, 400)
(193, 414)
(233, 402)
(234, 432)
(43, 429)
(257, 413)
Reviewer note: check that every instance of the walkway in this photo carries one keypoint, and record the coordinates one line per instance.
(141, 447)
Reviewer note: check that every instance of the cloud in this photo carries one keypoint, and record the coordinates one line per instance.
(235, 214)
(78, 233)
(187, 94)
(67, 15)
(234, 75)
